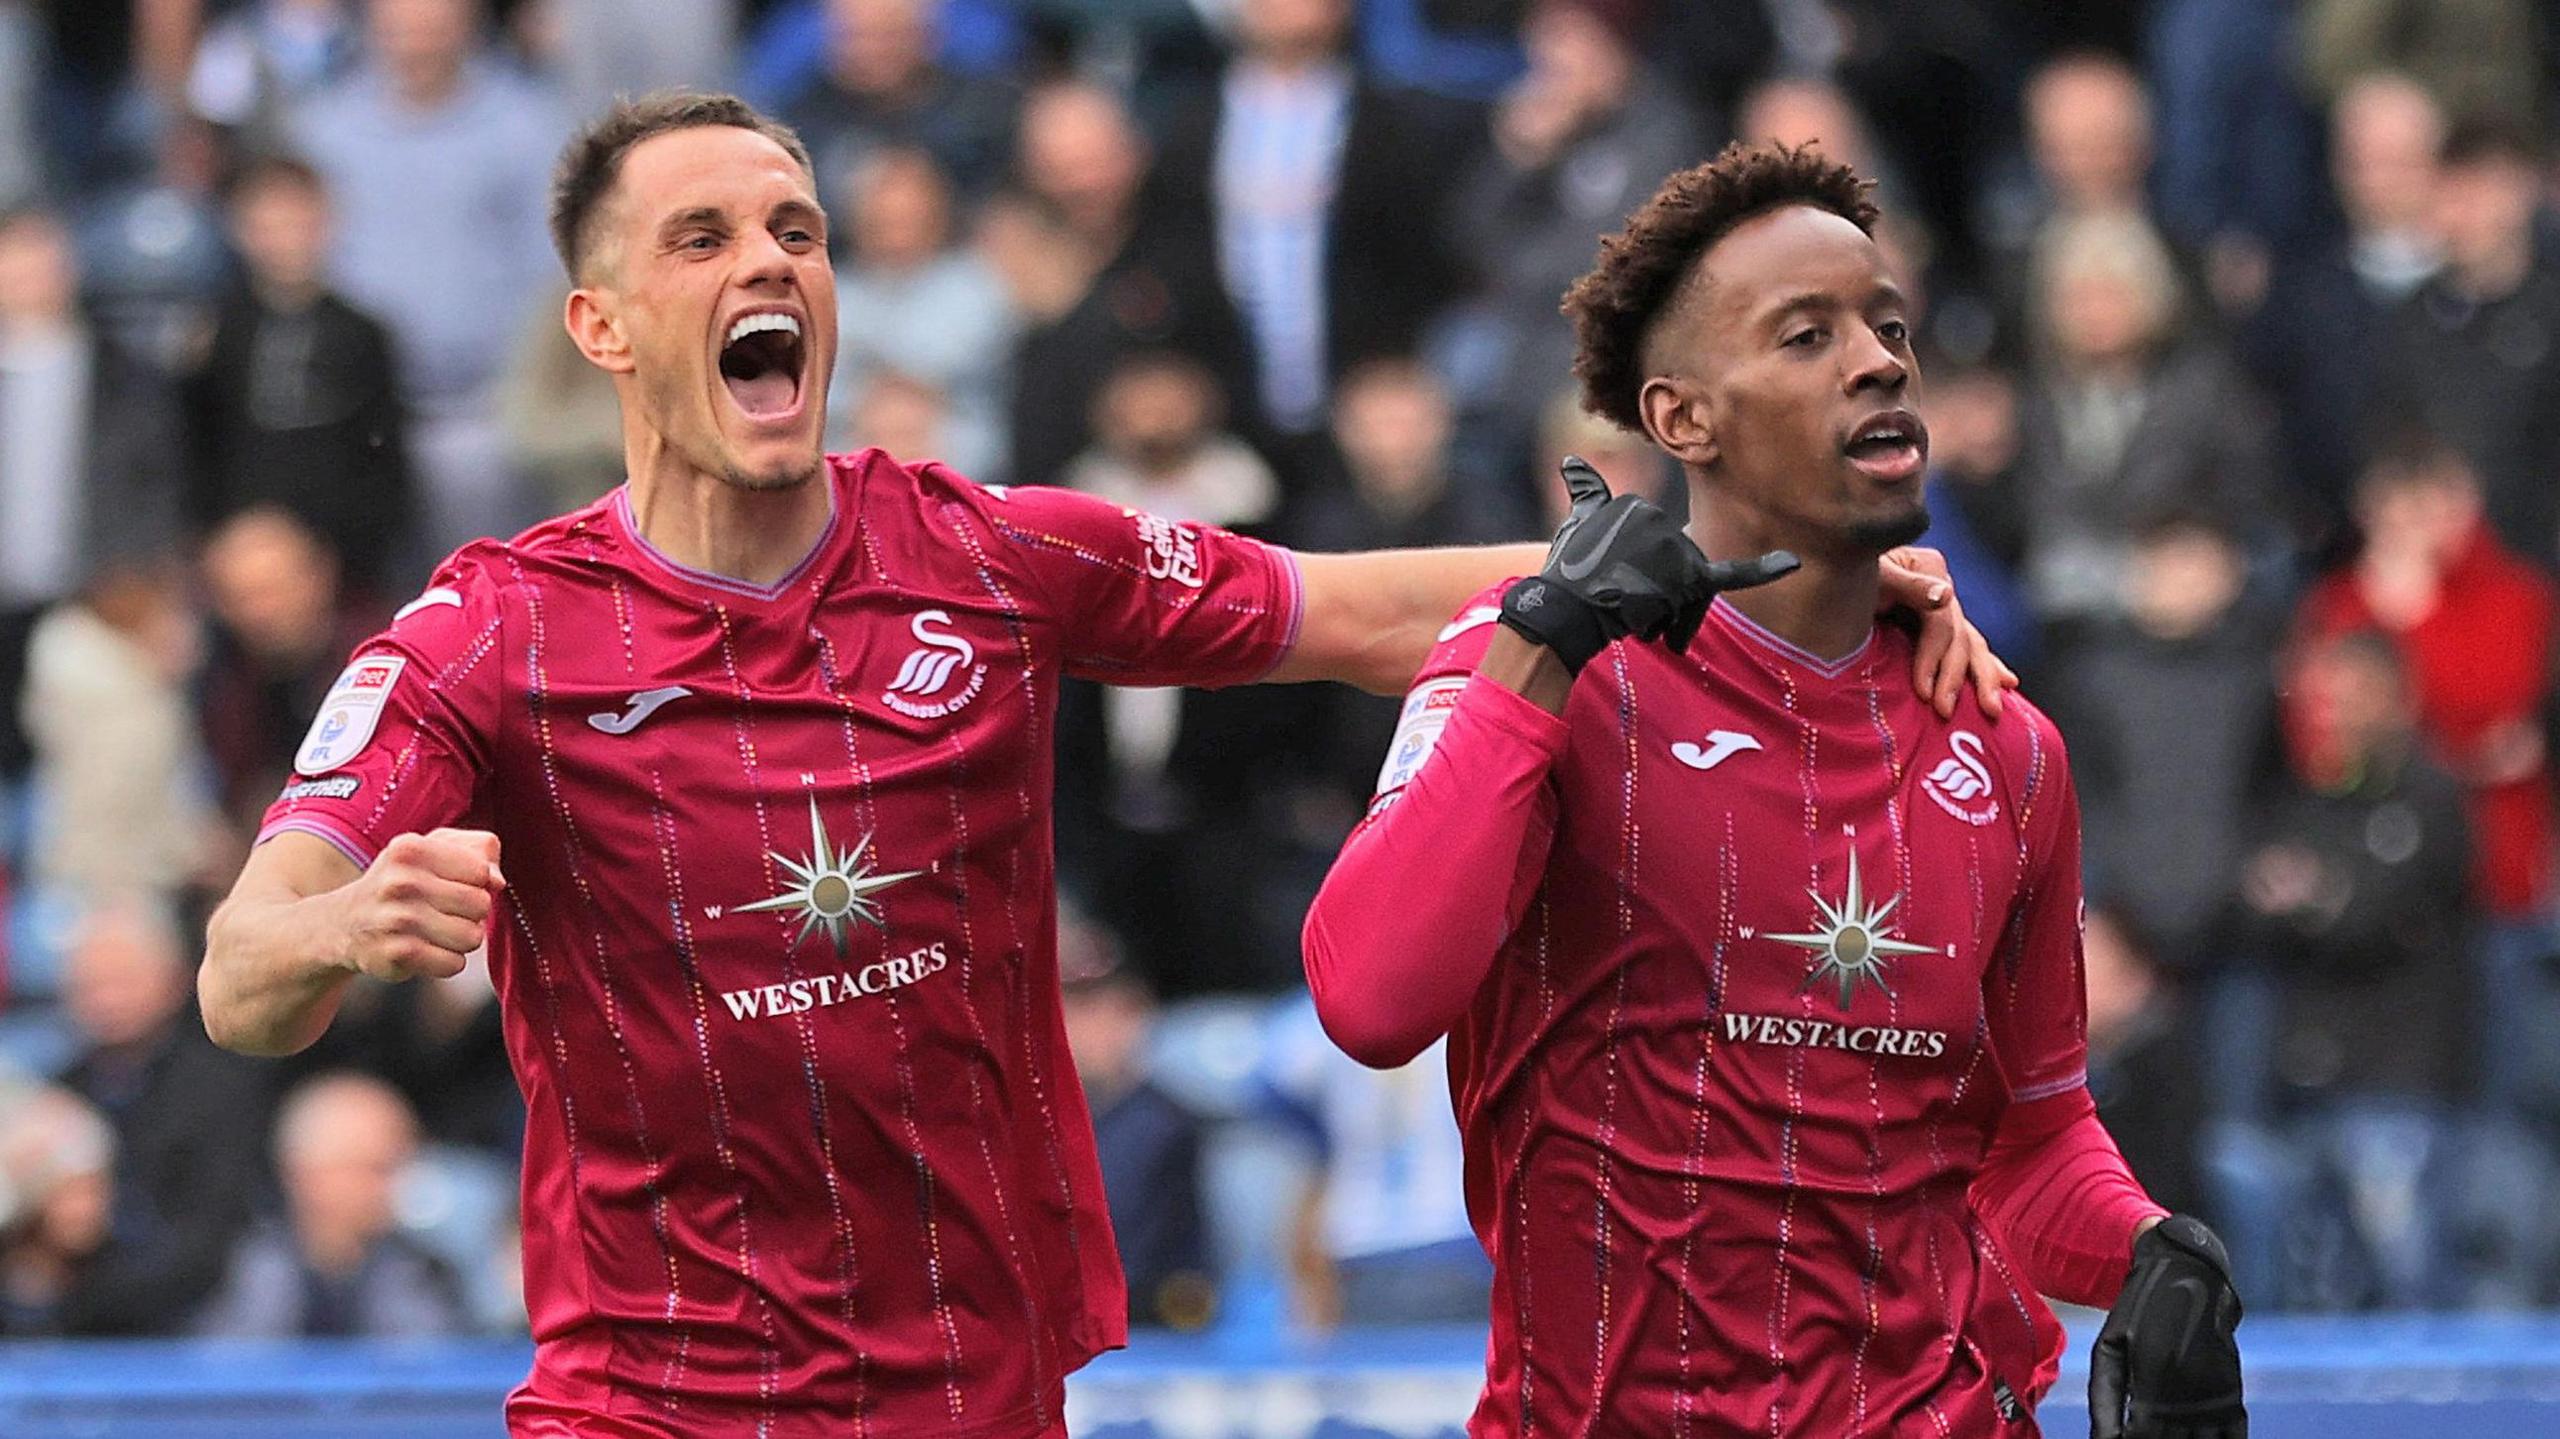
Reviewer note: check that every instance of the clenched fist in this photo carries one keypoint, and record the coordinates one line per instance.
(424, 905)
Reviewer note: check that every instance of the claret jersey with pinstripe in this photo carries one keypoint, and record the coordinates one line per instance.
(805, 1153)
(1796, 945)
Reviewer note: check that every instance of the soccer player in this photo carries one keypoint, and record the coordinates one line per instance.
(1761, 980)
(743, 775)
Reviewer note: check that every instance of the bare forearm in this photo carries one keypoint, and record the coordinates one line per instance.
(274, 971)
(1371, 619)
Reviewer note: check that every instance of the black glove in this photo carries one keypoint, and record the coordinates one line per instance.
(2166, 1366)
(1620, 566)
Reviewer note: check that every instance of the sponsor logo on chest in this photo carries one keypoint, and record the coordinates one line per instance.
(833, 891)
(1854, 944)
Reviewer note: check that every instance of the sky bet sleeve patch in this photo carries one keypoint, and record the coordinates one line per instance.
(345, 723)
(1426, 713)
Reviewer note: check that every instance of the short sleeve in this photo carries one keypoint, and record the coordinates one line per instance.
(1142, 600)
(2034, 996)
(403, 738)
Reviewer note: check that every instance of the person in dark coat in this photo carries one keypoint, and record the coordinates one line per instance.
(296, 399)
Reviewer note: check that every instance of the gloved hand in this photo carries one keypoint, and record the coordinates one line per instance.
(1620, 566)
(2166, 1365)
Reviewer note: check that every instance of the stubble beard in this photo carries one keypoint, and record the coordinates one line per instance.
(1879, 534)
(771, 481)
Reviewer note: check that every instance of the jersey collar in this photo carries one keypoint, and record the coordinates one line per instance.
(659, 560)
(1752, 632)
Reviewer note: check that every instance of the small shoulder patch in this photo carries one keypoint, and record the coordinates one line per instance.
(347, 717)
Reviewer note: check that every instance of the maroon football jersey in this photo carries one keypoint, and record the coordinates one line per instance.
(1780, 952)
(805, 1152)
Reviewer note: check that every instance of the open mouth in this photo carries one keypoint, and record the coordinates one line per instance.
(760, 362)
(1892, 446)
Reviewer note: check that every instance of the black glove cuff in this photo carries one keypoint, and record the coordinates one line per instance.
(2184, 1234)
(1547, 613)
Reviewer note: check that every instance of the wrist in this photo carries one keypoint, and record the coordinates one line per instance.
(1550, 615)
(1528, 669)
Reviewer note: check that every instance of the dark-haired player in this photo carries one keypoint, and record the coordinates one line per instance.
(764, 740)
(1762, 980)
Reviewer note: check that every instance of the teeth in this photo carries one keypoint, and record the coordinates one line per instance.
(759, 324)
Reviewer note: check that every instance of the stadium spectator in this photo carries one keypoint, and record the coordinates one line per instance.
(2479, 57)
(21, 84)
(1182, 783)
(2475, 625)
(599, 49)
(438, 160)
(1325, 191)
(61, 1271)
(2238, 172)
(1150, 1143)
(335, 1264)
(254, 63)
(1160, 446)
(2350, 889)
(884, 87)
(1394, 481)
(296, 401)
(1620, 455)
(1381, 1235)
(2129, 417)
(90, 448)
(908, 301)
(190, 1121)
(1975, 508)
(1112, 283)
(277, 632)
(2142, 1069)
(1578, 141)
(556, 413)
(2089, 139)
(2170, 711)
(1391, 482)
(2476, 353)
(2321, 339)
(120, 801)
(903, 415)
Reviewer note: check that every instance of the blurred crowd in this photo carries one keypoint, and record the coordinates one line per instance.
(2242, 340)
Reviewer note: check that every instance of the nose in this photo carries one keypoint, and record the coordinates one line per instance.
(766, 263)
(1869, 363)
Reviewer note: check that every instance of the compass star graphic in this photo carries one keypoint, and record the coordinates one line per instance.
(834, 890)
(1853, 942)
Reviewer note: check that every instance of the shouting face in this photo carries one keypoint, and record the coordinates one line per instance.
(1783, 373)
(710, 290)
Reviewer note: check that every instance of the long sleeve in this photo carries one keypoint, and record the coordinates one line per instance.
(2053, 1185)
(2060, 1195)
(1426, 890)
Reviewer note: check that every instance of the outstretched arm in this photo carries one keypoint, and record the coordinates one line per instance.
(1370, 619)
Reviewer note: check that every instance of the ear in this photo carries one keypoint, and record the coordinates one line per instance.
(1676, 420)
(597, 329)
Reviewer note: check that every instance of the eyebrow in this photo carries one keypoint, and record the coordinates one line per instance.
(1887, 295)
(699, 215)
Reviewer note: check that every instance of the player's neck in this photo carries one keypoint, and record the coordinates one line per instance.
(752, 536)
(1825, 608)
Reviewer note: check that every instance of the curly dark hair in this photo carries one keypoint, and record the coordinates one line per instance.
(592, 160)
(1641, 268)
